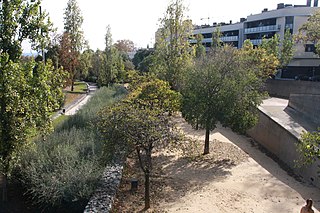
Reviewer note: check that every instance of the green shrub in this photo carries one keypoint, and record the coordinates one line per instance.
(103, 97)
(63, 168)
(66, 166)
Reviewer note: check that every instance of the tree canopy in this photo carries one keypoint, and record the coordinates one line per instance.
(222, 87)
(21, 20)
(310, 31)
(172, 53)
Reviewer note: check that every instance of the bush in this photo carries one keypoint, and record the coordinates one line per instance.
(103, 97)
(66, 166)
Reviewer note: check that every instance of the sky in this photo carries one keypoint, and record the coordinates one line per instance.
(137, 20)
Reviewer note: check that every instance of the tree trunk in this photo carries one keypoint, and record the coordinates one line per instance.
(206, 142)
(147, 191)
(72, 85)
(4, 189)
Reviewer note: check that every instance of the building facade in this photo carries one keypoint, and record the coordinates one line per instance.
(265, 25)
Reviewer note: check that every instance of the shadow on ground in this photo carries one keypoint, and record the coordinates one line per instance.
(266, 159)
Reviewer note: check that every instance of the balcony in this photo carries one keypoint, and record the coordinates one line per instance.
(229, 38)
(256, 41)
(270, 28)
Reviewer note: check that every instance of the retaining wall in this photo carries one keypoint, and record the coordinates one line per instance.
(282, 143)
(307, 104)
(283, 88)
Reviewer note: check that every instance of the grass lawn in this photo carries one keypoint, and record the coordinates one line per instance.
(79, 89)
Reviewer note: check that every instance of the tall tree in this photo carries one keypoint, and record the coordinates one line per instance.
(125, 45)
(222, 87)
(72, 25)
(200, 49)
(21, 20)
(173, 53)
(29, 91)
(286, 49)
(310, 31)
(140, 124)
(216, 38)
(141, 60)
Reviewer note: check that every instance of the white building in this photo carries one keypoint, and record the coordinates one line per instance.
(266, 24)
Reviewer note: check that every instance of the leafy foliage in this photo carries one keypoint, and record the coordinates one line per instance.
(281, 50)
(29, 92)
(20, 20)
(66, 166)
(155, 94)
(173, 53)
(223, 87)
(140, 124)
(309, 31)
(125, 45)
(72, 41)
(142, 61)
(308, 146)
(264, 62)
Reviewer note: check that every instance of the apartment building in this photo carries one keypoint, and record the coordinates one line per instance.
(267, 24)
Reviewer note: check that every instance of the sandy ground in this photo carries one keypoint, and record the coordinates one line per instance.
(235, 177)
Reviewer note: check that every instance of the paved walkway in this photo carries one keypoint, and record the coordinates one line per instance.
(71, 110)
(293, 121)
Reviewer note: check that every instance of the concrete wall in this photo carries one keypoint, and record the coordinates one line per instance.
(282, 143)
(283, 88)
(307, 104)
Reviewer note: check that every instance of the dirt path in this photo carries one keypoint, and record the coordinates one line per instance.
(236, 177)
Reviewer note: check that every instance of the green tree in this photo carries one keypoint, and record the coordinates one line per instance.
(72, 25)
(216, 38)
(200, 49)
(308, 147)
(29, 93)
(310, 31)
(125, 45)
(223, 87)
(173, 53)
(286, 49)
(140, 124)
(265, 63)
(281, 50)
(21, 20)
(85, 63)
(113, 65)
(141, 60)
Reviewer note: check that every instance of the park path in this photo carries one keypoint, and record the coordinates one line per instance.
(73, 110)
(257, 184)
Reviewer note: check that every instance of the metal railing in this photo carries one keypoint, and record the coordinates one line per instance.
(269, 28)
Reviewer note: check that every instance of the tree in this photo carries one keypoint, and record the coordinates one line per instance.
(223, 87)
(72, 25)
(309, 31)
(85, 63)
(142, 61)
(286, 49)
(308, 147)
(173, 53)
(19, 21)
(140, 124)
(200, 49)
(29, 90)
(216, 38)
(125, 45)
(281, 50)
(265, 63)
(29, 93)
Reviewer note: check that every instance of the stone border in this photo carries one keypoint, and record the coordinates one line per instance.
(103, 198)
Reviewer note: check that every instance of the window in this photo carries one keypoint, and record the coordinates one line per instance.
(310, 48)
